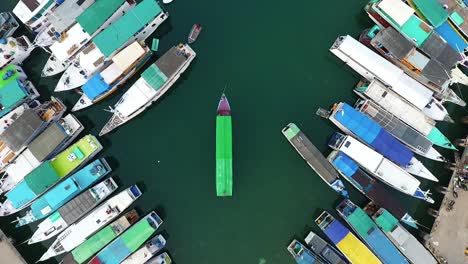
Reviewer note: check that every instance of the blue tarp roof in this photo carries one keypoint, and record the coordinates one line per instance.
(345, 164)
(95, 86)
(336, 232)
(114, 252)
(374, 135)
(452, 37)
(383, 247)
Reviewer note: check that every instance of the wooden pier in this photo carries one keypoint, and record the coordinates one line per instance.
(448, 239)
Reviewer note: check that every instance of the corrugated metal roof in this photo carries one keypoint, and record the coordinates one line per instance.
(77, 207)
(21, 131)
(436, 73)
(436, 47)
(170, 62)
(47, 141)
(394, 42)
(93, 17)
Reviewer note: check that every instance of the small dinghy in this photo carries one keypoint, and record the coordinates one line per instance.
(196, 29)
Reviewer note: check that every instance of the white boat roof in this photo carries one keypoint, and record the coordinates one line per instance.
(126, 57)
(397, 10)
(65, 14)
(90, 57)
(72, 123)
(24, 164)
(11, 117)
(411, 246)
(361, 153)
(74, 36)
(111, 73)
(396, 176)
(400, 108)
(140, 256)
(407, 87)
(138, 95)
(94, 220)
(24, 13)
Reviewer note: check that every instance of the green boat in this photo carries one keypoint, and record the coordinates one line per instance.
(223, 148)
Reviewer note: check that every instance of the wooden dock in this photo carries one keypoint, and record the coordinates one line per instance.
(448, 239)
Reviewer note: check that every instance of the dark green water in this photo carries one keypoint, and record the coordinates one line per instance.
(275, 60)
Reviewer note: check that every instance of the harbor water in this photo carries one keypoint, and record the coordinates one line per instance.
(272, 60)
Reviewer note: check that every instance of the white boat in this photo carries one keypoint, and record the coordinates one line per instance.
(72, 211)
(345, 117)
(378, 166)
(124, 65)
(145, 18)
(77, 233)
(26, 127)
(59, 19)
(14, 50)
(406, 112)
(8, 24)
(49, 143)
(147, 251)
(372, 66)
(160, 259)
(92, 21)
(409, 136)
(154, 83)
(32, 12)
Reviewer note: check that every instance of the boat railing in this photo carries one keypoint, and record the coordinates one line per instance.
(336, 140)
(324, 220)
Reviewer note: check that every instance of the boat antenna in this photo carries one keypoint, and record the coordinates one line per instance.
(225, 87)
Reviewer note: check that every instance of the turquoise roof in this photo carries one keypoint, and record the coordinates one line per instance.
(10, 95)
(414, 28)
(117, 34)
(432, 10)
(95, 15)
(154, 77)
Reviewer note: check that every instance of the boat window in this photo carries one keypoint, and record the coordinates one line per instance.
(49, 231)
(384, 94)
(347, 144)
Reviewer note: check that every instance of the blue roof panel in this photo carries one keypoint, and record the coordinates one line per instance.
(345, 164)
(336, 232)
(95, 86)
(452, 37)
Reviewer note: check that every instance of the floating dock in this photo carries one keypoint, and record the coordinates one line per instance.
(8, 252)
(448, 239)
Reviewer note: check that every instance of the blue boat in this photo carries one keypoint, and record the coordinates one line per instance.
(369, 132)
(65, 191)
(369, 187)
(370, 233)
(302, 255)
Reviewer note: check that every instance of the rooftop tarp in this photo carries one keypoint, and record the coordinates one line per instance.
(345, 164)
(223, 156)
(450, 34)
(47, 141)
(76, 208)
(54, 197)
(386, 221)
(416, 29)
(10, 69)
(436, 47)
(21, 131)
(374, 135)
(394, 42)
(95, 86)
(397, 10)
(115, 35)
(10, 95)
(432, 11)
(154, 77)
(92, 245)
(93, 17)
(336, 232)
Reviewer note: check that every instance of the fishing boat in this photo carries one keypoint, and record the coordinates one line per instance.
(58, 20)
(160, 259)
(48, 144)
(80, 231)
(127, 243)
(32, 12)
(124, 65)
(302, 255)
(64, 191)
(408, 245)
(369, 187)
(26, 127)
(314, 158)
(147, 251)
(413, 139)
(11, 117)
(144, 19)
(194, 33)
(371, 65)
(15, 89)
(397, 106)
(345, 241)
(378, 166)
(326, 251)
(46, 175)
(368, 231)
(354, 123)
(91, 22)
(154, 82)
(100, 239)
(8, 24)
(223, 148)
(72, 211)
(429, 67)
(13, 51)
(457, 14)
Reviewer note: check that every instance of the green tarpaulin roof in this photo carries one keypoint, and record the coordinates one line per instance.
(223, 156)
(386, 221)
(137, 235)
(93, 244)
(361, 222)
(93, 17)
(114, 36)
(154, 77)
(42, 178)
(432, 11)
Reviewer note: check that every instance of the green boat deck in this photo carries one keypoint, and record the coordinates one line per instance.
(9, 80)
(223, 156)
